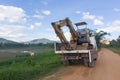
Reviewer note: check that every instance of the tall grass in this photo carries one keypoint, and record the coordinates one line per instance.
(29, 68)
(116, 50)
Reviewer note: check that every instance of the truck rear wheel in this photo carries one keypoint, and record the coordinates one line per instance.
(66, 62)
(91, 64)
(85, 61)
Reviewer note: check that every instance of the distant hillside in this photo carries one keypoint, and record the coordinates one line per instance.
(37, 41)
(5, 41)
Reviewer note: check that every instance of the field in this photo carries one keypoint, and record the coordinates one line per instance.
(20, 66)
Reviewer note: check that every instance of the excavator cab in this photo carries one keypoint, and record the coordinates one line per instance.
(82, 34)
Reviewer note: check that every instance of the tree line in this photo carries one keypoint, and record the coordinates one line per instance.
(22, 45)
(115, 43)
(100, 35)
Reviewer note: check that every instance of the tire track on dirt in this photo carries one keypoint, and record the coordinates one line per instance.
(107, 67)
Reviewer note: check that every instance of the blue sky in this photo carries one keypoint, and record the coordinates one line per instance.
(24, 20)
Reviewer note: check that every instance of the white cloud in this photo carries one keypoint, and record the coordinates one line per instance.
(46, 12)
(12, 14)
(97, 22)
(12, 21)
(116, 9)
(33, 26)
(112, 27)
(77, 12)
(11, 31)
(39, 16)
(116, 23)
(38, 24)
(100, 17)
(16, 35)
(88, 16)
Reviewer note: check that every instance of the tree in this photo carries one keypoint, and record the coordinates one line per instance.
(99, 36)
(115, 43)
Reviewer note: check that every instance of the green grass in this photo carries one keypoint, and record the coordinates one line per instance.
(29, 68)
(116, 50)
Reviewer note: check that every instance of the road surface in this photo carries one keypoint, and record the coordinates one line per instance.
(107, 68)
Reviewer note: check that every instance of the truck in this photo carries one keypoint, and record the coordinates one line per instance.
(82, 46)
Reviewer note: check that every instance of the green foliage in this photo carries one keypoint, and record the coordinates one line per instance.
(30, 62)
(27, 67)
(19, 45)
(23, 55)
(99, 36)
(114, 45)
(116, 50)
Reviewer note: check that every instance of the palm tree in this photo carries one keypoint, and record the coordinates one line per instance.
(99, 36)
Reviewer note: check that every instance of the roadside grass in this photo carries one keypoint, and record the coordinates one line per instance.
(29, 67)
(116, 50)
(12, 52)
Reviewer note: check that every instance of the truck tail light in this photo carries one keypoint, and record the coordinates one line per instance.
(84, 55)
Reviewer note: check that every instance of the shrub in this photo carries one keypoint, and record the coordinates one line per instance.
(29, 68)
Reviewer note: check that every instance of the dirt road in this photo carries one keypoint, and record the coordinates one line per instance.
(107, 68)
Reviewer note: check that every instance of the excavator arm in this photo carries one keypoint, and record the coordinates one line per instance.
(57, 27)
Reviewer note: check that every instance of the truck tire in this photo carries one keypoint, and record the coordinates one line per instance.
(66, 62)
(85, 61)
(91, 64)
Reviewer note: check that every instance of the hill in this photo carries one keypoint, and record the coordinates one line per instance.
(37, 41)
(5, 41)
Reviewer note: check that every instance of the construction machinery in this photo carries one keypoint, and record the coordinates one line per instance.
(81, 47)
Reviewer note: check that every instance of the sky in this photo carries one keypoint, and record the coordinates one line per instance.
(24, 20)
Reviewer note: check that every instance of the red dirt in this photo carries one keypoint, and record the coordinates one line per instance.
(107, 67)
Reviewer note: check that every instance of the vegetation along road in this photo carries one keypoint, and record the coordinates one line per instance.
(107, 68)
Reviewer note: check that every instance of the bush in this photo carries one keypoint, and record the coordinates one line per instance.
(29, 68)
(30, 62)
(23, 55)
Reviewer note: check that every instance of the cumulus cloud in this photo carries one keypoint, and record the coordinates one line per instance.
(88, 16)
(77, 12)
(97, 20)
(11, 31)
(46, 12)
(12, 14)
(100, 17)
(116, 23)
(33, 26)
(112, 27)
(11, 22)
(38, 24)
(39, 16)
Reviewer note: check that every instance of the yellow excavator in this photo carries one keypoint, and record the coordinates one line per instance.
(81, 47)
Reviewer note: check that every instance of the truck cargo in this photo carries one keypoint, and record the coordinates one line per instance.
(82, 46)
